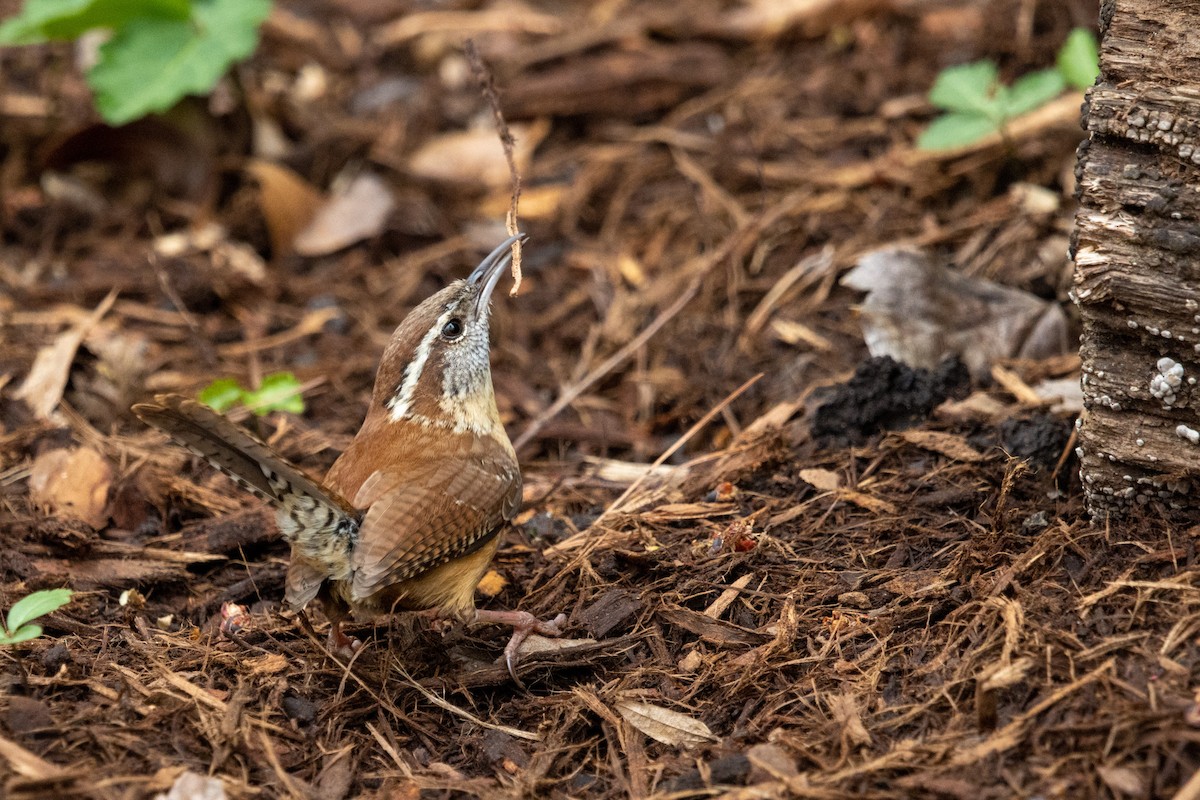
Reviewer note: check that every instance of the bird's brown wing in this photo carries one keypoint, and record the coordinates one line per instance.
(432, 512)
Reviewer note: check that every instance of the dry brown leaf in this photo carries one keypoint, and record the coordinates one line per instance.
(823, 479)
(664, 725)
(72, 483)
(476, 157)
(288, 203)
(357, 213)
(47, 379)
(950, 445)
(919, 311)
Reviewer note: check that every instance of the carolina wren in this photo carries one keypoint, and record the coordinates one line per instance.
(408, 516)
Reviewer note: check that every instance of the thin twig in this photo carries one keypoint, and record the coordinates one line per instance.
(487, 86)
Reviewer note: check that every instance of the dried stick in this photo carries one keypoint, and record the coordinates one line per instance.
(487, 86)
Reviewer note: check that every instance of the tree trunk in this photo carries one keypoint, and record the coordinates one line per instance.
(1137, 262)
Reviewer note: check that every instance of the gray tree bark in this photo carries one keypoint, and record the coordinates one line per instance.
(1137, 262)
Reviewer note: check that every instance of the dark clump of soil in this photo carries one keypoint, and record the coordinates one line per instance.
(885, 395)
(1039, 439)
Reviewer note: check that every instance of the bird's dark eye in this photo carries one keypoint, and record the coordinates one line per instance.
(452, 329)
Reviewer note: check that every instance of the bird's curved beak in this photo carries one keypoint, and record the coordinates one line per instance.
(488, 273)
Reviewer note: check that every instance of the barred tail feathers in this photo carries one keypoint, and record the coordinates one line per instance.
(233, 450)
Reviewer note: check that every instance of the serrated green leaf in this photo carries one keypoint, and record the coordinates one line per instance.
(280, 391)
(40, 20)
(969, 88)
(1032, 91)
(222, 394)
(23, 634)
(1079, 59)
(951, 131)
(38, 604)
(151, 64)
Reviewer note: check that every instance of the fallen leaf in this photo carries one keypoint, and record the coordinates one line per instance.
(948, 444)
(288, 203)
(47, 379)
(664, 725)
(358, 212)
(73, 483)
(919, 311)
(822, 479)
(475, 157)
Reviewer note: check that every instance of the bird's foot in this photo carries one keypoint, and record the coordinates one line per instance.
(523, 623)
(341, 645)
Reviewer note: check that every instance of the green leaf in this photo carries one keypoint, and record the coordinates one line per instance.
(23, 634)
(222, 394)
(1032, 91)
(150, 64)
(1079, 59)
(40, 20)
(951, 131)
(969, 88)
(38, 604)
(280, 391)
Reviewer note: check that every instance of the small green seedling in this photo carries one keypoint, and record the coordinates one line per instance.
(279, 391)
(978, 104)
(19, 625)
(158, 52)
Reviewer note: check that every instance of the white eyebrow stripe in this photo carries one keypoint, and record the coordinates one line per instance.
(400, 404)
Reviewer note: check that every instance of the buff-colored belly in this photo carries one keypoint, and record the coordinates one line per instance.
(449, 587)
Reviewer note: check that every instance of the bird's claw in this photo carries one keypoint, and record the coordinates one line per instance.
(341, 645)
(523, 624)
